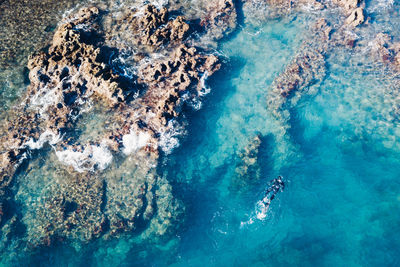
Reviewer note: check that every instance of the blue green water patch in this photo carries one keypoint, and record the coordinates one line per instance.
(341, 205)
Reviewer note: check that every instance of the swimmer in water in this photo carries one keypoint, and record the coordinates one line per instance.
(275, 186)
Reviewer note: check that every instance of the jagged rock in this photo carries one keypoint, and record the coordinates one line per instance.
(174, 31)
(154, 29)
(220, 19)
(167, 79)
(347, 5)
(356, 17)
(73, 64)
(77, 71)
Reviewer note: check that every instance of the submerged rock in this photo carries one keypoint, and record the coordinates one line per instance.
(247, 170)
(307, 67)
(384, 49)
(25, 25)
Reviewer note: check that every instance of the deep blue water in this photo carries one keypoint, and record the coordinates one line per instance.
(340, 160)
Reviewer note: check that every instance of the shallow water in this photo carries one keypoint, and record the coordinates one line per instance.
(341, 204)
(340, 160)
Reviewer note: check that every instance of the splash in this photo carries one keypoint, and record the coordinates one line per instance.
(46, 137)
(94, 157)
(134, 141)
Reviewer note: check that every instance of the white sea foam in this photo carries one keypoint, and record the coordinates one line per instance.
(159, 3)
(134, 141)
(169, 139)
(93, 156)
(259, 213)
(44, 98)
(204, 88)
(46, 137)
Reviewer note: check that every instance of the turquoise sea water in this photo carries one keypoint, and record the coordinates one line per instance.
(340, 160)
(342, 201)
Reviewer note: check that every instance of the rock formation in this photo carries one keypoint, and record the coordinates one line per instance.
(87, 194)
(347, 5)
(220, 19)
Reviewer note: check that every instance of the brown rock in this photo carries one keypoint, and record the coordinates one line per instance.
(220, 19)
(75, 70)
(356, 17)
(347, 5)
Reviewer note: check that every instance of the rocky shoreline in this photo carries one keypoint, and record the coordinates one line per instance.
(76, 71)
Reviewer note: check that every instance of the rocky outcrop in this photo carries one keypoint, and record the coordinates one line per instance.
(356, 17)
(185, 69)
(88, 195)
(220, 19)
(347, 5)
(354, 9)
(153, 30)
(308, 66)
